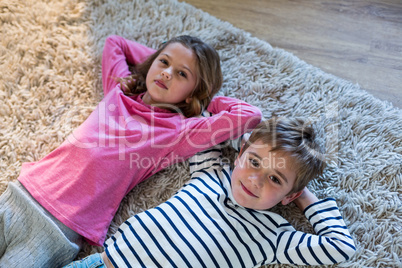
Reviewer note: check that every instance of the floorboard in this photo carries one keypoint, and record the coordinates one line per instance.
(360, 41)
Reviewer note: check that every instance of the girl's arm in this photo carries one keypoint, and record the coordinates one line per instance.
(231, 119)
(117, 54)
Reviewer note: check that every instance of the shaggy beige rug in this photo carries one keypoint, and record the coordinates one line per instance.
(50, 62)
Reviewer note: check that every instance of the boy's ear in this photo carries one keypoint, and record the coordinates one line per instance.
(238, 156)
(289, 198)
(236, 162)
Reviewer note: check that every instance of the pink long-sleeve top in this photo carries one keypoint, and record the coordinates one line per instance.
(123, 142)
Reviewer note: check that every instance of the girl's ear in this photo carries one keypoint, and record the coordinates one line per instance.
(188, 100)
(289, 198)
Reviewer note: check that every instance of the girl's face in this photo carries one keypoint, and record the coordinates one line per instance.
(172, 76)
(261, 178)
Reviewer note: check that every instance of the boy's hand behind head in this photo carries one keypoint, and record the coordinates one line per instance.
(305, 199)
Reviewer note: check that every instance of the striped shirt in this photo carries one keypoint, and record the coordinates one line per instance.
(203, 226)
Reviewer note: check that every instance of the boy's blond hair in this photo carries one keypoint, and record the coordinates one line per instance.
(296, 138)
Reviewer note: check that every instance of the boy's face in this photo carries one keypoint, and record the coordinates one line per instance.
(261, 178)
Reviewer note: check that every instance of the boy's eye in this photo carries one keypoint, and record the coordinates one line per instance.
(254, 162)
(275, 179)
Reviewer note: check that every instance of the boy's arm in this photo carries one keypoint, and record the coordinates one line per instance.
(238, 143)
(332, 242)
(207, 158)
(117, 54)
(306, 199)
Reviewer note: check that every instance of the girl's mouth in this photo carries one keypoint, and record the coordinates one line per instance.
(247, 191)
(160, 84)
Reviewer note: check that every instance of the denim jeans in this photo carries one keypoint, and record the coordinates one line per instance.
(92, 261)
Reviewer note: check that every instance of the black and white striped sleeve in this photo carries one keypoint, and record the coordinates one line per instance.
(237, 144)
(331, 244)
(206, 159)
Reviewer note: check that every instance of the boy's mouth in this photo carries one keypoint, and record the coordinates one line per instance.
(247, 190)
(160, 84)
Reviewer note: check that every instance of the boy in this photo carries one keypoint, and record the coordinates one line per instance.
(220, 218)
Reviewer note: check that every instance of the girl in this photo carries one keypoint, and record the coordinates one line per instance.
(144, 123)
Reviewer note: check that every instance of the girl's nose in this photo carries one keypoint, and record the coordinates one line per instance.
(167, 73)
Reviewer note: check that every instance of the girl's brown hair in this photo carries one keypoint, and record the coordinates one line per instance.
(209, 75)
(296, 138)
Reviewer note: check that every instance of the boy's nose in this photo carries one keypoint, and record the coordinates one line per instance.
(257, 180)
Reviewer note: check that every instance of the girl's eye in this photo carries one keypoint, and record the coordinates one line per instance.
(274, 179)
(163, 61)
(183, 74)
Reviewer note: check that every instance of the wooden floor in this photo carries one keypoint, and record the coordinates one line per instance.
(360, 41)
